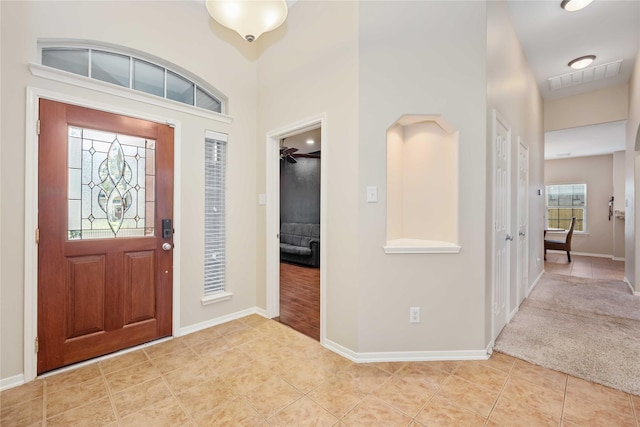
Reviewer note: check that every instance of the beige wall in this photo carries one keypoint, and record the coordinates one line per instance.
(196, 44)
(307, 67)
(618, 203)
(597, 173)
(601, 106)
(632, 223)
(421, 58)
(512, 90)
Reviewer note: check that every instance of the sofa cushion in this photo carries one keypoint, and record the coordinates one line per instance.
(297, 234)
(298, 250)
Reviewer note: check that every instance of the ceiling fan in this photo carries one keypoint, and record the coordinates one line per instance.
(289, 153)
(286, 153)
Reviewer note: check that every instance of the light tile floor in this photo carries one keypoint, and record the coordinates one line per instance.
(584, 266)
(257, 372)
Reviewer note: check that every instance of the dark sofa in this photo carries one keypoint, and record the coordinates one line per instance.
(300, 243)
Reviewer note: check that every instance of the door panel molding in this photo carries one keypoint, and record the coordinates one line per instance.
(33, 96)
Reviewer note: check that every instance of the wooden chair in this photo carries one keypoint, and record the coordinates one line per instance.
(561, 245)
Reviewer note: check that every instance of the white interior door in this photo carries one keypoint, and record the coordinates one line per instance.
(501, 221)
(523, 220)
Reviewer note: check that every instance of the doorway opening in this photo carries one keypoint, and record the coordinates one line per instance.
(296, 226)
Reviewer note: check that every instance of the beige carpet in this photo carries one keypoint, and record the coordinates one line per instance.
(587, 328)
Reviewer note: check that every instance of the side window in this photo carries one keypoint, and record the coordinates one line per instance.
(214, 215)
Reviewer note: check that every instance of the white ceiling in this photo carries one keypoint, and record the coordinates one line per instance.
(299, 141)
(551, 37)
(583, 141)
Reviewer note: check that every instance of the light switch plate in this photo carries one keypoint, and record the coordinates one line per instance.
(372, 194)
(262, 199)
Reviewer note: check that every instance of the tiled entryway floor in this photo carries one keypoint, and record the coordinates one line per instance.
(584, 266)
(257, 372)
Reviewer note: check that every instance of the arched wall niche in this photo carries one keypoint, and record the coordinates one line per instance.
(422, 186)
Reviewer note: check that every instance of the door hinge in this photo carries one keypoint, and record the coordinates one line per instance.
(37, 236)
(38, 126)
(37, 345)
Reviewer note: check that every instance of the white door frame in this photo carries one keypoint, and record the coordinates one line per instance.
(523, 259)
(498, 118)
(273, 212)
(31, 212)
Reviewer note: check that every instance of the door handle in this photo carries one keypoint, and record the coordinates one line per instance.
(509, 237)
(167, 246)
(522, 233)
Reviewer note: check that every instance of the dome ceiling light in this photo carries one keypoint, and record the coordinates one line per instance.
(249, 18)
(574, 5)
(582, 62)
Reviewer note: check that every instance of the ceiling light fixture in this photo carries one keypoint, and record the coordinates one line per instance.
(310, 141)
(574, 5)
(249, 18)
(582, 62)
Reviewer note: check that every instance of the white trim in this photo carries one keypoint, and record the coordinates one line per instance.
(535, 283)
(11, 382)
(219, 297)
(54, 74)
(615, 258)
(273, 213)
(633, 291)
(220, 320)
(406, 356)
(417, 246)
(218, 136)
(33, 94)
(513, 313)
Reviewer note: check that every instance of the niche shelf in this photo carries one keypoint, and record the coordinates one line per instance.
(422, 186)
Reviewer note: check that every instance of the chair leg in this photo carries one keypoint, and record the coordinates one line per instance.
(569, 256)
(545, 254)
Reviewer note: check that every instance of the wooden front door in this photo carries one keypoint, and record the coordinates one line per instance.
(105, 267)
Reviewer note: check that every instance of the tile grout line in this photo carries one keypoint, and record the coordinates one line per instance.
(109, 393)
(564, 398)
(184, 409)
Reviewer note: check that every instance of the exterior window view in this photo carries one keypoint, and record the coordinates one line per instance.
(329, 213)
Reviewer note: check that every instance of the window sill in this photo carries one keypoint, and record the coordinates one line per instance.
(417, 246)
(212, 299)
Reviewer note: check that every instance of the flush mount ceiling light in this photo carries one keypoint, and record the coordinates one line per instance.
(582, 62)
(249, 18)
(574, 5)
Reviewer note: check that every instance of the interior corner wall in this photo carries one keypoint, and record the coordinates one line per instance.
(632, 222)
(421, 58)
(307, 67)
(513, 92)
(601, 106)
(202, 47)
(597, 173)
(618, 204)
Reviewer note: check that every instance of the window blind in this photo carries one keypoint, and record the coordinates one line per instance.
(214, 216)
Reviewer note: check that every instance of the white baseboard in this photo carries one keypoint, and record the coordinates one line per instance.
(615, 258)
(406, 356)
(633, 291)
(220, 320)
(513, 313)
(535, 283)
(610, 256)
(10, 382)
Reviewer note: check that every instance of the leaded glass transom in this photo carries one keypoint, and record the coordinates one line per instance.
(111, 185)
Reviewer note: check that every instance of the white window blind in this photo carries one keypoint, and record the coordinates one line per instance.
(214, 216)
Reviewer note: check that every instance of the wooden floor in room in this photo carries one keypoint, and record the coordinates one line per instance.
(300, 298)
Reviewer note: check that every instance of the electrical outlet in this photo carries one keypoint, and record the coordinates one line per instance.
(414, 315)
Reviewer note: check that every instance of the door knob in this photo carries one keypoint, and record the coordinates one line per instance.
(509, 237)
(167, 246)
(522, 233)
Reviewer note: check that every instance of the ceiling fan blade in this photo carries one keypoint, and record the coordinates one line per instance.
(289, 150)
(291, 159)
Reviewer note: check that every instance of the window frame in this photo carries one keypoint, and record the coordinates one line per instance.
(133, 55)
(583, 220)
